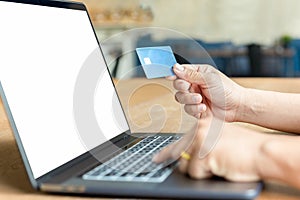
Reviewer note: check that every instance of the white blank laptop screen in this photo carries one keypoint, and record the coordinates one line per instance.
(42, 50)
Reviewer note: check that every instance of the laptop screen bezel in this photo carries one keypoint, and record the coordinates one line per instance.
(123, 136)
(56, 4)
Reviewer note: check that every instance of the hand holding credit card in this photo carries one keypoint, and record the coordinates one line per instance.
(157, 61)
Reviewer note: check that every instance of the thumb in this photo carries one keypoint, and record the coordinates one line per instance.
(198, 74)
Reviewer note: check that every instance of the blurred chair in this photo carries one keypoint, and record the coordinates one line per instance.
(295, 44)
(278, 62)
(221, 53)
(229, 58)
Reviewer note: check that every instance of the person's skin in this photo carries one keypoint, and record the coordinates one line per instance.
(240, 154)
(275, 110)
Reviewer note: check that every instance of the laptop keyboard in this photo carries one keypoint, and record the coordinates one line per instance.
(135, 164)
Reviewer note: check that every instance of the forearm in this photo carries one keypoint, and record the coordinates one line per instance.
(274, 110)
(278, 159)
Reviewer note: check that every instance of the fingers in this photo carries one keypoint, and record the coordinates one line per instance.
(188, 98)
(185, 86)
(171, 78)
(165, 154)
(198, 168)
(184, 162)
(173, 151)
(181, 85)
(195, 110)
(194, 166)
(199, 74)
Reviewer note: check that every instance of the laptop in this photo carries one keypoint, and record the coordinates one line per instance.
(50, 66)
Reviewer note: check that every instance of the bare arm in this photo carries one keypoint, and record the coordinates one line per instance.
(273, 110)
(279, 160)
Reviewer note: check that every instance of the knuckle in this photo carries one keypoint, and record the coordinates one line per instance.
(192, 75)
(195, 173)
(206, 68)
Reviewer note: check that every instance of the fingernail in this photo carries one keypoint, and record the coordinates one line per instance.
(179, 67)
(196, 99)
(202, 107)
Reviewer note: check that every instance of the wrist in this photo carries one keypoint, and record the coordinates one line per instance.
(243, 107)
(250, 106)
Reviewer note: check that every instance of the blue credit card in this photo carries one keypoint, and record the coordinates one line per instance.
(157, 61)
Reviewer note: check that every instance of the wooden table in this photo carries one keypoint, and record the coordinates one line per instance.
(135, 95)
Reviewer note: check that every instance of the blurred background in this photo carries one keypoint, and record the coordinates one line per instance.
(245, 38)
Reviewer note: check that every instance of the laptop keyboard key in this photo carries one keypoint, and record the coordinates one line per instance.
(135, 164)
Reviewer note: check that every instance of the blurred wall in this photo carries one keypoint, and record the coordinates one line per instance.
(241, 21)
